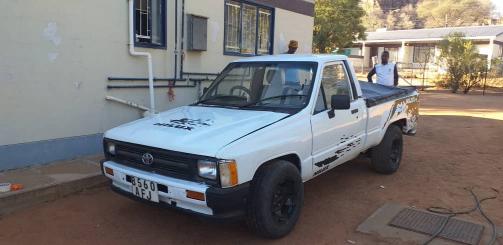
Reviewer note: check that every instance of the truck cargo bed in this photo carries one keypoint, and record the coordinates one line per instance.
(375, 94)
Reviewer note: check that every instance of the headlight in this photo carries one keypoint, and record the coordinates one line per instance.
(111, 148)
(207, 169)
(228, 173)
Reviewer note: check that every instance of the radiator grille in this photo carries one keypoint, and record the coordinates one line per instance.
(168, 163)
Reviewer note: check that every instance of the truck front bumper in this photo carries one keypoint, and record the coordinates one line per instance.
(219, 202)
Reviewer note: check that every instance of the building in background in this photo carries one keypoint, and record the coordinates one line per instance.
(415, 47)
(60, 59)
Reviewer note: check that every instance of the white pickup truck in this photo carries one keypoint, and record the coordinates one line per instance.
(265, 126)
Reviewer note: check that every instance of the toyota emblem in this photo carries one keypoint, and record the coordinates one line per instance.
(147, 159)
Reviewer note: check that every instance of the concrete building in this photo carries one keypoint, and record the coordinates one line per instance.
(60, 59)
(412, 47)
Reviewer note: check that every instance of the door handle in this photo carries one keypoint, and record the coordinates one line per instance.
(354, 111)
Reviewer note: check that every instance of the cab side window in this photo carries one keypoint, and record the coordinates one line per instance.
(320, 102)
(335, 81)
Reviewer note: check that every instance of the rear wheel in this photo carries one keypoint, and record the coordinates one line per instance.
(386, 156)
(275, 200)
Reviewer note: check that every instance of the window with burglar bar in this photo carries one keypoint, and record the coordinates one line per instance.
(248, 29)
(423, 54)
(150, 23)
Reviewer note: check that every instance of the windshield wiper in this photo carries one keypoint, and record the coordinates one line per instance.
(210, 99)
(271, 98)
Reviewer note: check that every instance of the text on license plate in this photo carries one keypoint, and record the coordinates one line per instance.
(145, 189)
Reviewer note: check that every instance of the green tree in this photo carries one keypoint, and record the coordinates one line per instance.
(391, 21)
(408, 18)
(465, 67)
(448, 13)
(401, 19)
(476, 70)
(374, 17)
(337, 23)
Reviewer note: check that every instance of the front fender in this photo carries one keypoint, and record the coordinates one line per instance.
(289, 136)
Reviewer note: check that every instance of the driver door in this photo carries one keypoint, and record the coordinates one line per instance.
(337, 137)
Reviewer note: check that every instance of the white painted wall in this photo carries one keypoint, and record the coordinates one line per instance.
(484, 48)
(56, 57)
(288, 26)
(293, 26)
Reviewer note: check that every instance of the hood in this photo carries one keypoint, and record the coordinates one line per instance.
(194, 129)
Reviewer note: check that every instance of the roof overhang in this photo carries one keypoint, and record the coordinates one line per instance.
(420, 40)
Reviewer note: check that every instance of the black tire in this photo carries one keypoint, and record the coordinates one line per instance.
(386, 157)
(276, 198)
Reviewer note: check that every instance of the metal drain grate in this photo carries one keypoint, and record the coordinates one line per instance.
(428, 223)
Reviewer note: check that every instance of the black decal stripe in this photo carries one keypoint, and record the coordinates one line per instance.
(186, 123)
(339, 153)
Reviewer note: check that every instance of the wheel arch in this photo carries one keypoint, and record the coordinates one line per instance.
(292, 158)
(401, 123)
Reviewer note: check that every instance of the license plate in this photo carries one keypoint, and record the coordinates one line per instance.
(145, 189)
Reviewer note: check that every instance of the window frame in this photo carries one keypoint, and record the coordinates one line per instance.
(415, 56)
(290, 111)
(164, 44)
(352, 88)
(257, 20)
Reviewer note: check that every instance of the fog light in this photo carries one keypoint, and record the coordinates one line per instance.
(109, 171)
(195, 195)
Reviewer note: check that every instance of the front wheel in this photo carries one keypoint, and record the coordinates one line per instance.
(276, 198)
(386, 156)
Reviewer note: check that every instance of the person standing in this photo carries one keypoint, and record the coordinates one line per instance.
(387, 73)
(292, 47)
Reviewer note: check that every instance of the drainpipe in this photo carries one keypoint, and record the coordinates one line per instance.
(182, 56)
(148, 55)
(176, 38)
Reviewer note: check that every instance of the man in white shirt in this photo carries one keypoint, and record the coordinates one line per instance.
(387, 73)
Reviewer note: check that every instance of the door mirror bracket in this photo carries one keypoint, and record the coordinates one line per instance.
(339, 102)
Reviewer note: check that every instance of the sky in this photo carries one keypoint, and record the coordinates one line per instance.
(499, 5)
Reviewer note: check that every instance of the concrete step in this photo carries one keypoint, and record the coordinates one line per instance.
(43, 183)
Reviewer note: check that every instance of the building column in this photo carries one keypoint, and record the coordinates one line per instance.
(362, 53)
(491, 51)
(402, 53)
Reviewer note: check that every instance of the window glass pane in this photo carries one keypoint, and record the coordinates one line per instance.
(423, 54)
(249, 27)
(263, 84)
(142, 9)
(264, 31)
(335, 81)
(232, 26)
(157, 22)
(235, 81)
(150, 22)
(320, 103)
(393, 54)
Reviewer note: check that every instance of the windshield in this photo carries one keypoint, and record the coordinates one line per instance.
(262, 84)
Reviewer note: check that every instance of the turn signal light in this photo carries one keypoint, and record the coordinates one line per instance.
(228, 173)
(195, 195)
(109, 171)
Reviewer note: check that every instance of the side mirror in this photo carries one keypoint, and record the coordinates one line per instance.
(340, 102)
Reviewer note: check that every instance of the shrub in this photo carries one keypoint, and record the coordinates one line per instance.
(465, 67)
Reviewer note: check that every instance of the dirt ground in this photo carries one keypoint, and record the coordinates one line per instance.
(459, 144)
